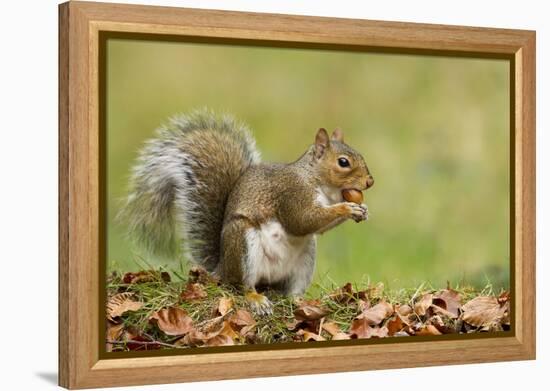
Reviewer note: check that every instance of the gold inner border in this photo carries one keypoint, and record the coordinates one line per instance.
(104, 36)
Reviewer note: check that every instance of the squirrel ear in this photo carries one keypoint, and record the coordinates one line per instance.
(321, 142)
(338, 135)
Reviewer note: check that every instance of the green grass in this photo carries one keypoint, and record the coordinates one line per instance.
(275, 328)
(434, 131)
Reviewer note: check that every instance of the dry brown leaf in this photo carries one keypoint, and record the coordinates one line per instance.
(196, 338)
(395, 324)
(343, 294)
(220, 340)
(379, 332)
(193, 292)
(309, 312)
(242, 321)
(224, 335)
(404, 310)
(228, 331)
(442, 311)
(302, 301)
(292, 325)
(332, 328)
(450, 300)
(375, 315)
(199, 275)
(133, 339)
(504, 297)
(121, 303)
(173, 321)
(362, 305)
(114, 331)
(428, 330)
(483, 311)
(340, 336)
(145, 276)
(439, 324)
(506, 317)
(360, 328)
(210, 325)
(401, 333)
(422, 305)
(308, 336)
(225, 305)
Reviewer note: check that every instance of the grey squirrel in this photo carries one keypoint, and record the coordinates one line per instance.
(200, 186)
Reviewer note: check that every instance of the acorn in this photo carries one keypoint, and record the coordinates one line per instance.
(352, 195)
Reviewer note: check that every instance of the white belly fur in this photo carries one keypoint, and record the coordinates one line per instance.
(273, 254)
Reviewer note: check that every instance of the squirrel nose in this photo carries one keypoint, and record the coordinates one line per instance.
(370, 181)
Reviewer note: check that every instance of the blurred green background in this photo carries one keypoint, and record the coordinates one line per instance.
(434, 132)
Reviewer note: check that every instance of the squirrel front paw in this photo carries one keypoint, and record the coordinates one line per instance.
(357, 212)
(258, 303)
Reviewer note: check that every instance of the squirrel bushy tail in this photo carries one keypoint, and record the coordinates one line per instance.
(181, 182)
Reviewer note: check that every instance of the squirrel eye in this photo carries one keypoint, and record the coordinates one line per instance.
(343, 162)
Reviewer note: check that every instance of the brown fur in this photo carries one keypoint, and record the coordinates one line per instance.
(287, 193)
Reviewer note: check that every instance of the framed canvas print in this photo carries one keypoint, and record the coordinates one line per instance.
(247, 195)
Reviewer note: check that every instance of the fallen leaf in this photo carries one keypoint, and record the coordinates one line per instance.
(360, 328)
(199, 275)
(493, 327)
(504, 297)
(114, 331)
(362, 305)
(309, 312)
(343, 294)
(220, 340)
(225, 305)
(224, 335)
(332, 328)
(228, 331)
(210, 325)
(450, 300)
(136, 341)
(404, 310)
(428, 330)
(340, 336)
(121, 303)
(308, 336)
(395, 324)
(375, 315)
(482, 311)
(173, 321)
(292, 325)
(145, 276)
(251, 338)
(242, 321)
(193, 292)
(401, 333)
(195, 338)
(302, 301)
(441, 326)
(422, 305)
(441, 311)
(506, 317)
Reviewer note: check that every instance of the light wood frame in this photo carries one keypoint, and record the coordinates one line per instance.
(80, 23)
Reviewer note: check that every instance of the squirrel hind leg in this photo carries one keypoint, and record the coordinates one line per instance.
(235, 269)
(258, 303)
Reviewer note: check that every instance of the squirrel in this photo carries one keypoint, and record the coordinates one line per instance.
(200, 187)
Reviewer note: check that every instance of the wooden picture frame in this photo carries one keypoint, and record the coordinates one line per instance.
(81, 25)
